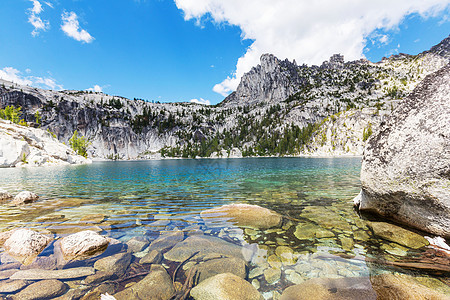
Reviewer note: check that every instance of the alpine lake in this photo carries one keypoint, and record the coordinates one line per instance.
(135, 203)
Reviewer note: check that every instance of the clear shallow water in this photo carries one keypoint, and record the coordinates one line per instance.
(313, 194)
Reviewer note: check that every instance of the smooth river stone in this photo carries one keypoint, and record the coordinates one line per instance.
(225, 286)
(117, 263)
(83, 244)
(38, 274)
(398, 235)
(156, 285)
(244, 215)
(44, 289)
(204, 245)
(12, 286)
(213, 267)
(167, 240)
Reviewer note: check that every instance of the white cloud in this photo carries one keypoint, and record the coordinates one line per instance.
(71, 28)
(307, 31)
(35, 20)
(49, 4)
(200, 101)
(96, 88)
(14, 75)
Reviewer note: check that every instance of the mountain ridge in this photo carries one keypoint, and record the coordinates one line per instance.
(279, 108)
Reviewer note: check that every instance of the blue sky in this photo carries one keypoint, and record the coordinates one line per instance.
(181, 50)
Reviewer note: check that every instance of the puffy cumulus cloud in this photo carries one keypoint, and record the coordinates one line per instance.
(71, 28)
(307, 31)
(14, 75)
(35, 20)
(96, 89)
(200, 101)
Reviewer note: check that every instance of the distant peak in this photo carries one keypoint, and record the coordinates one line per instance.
(336, 61)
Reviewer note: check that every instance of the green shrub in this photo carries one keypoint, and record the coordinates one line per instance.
(79, 143)
(367, 132)
(11, 113)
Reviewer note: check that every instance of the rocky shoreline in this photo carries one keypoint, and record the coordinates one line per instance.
(220, 256)
(22, 146)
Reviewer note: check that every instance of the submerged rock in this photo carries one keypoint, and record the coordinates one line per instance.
(225, 286)
(153, 257)
(167, 240)
(116, 264)
(24, 198)
(38, 274)
(156, 285)
(83, 244)
(327, 288)
(12, 286)
(44, 289)
(398, 235)
(24, 244)
(405, 174)
(244, 215)
(213, 267)
(137, 244)
(202, 245)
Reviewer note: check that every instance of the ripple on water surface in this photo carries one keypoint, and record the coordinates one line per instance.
(320, 237)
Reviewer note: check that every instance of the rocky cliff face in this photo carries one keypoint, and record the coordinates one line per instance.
(405, 172)
(276, 109)
(25, 146)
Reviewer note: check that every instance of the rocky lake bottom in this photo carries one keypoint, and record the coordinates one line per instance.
(165, 242)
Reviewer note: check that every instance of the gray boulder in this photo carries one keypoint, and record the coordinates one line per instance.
(24, 244)
(24, 198)
(405, 173)
(83, 244)
(44, 289)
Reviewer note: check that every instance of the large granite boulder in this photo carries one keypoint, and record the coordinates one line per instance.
(25, 244)
(244, 215)
(405, 173)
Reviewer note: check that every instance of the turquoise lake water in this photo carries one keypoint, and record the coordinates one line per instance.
(312, 195)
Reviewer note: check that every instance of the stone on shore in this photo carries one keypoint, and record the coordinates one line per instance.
(405, 174)
(204, 245)
(398, 235)
(83, 244)
(244, 215)
(39, 274)
(24, 197)
(24, 244)
(225, 286)
(44, 289)
(156, 285)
